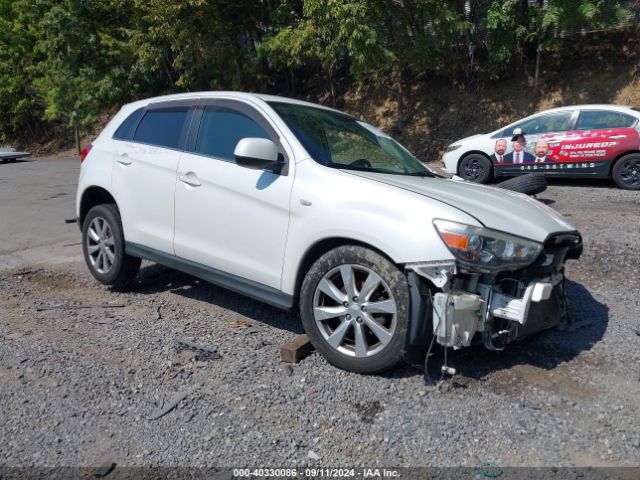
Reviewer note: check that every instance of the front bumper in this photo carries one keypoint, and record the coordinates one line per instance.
(458, 307)
(450, 161)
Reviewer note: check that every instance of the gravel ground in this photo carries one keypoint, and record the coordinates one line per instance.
(80, 387)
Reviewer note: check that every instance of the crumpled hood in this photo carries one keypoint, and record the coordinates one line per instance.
(495, 208)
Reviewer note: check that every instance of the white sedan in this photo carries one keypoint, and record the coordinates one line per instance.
(596, 141)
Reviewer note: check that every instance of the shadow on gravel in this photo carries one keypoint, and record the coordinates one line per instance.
(544, 350)
(156, 278)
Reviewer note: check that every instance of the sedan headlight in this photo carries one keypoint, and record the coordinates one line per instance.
(451, 148)
(482, 249)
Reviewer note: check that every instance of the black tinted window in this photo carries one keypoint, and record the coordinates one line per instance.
(222, 128)
(597, 119)
(127, 128)
(162, 127)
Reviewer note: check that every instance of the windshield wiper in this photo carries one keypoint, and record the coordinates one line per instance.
(425, 173)
(357, 169)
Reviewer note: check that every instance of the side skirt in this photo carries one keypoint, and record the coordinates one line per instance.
(237, 284)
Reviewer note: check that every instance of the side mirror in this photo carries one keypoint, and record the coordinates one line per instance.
(258, 154)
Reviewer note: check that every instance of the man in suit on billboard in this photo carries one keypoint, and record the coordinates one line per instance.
(499, 151)
(518, 155)
(542, 147)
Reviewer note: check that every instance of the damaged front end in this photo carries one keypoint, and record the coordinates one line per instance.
(498, 289)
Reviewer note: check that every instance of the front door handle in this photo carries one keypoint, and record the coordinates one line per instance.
(190, 179)
(124, 159)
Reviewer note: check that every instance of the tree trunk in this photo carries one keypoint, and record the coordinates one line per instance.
(332, 88)
(400, 102)
(536, 78)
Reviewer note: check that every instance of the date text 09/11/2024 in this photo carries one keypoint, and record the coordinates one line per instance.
(317, 472)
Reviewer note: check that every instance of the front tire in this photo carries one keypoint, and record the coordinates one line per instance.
(354, 305)
(626, 172)
(103, 247)
(476, 168)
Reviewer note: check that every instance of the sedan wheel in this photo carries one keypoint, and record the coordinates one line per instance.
(626, 172)
(476, 168)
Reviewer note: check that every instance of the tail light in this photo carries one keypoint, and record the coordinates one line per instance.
(85, 152)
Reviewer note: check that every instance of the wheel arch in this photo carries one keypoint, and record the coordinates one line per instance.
(91, 197)
(315, 251)
(615, 160)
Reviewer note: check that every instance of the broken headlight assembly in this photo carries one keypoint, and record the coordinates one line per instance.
(481, 249)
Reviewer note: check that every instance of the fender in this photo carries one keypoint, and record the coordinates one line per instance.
(395, 221)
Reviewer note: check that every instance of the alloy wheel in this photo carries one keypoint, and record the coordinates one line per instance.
(355, 311)
(101, 245)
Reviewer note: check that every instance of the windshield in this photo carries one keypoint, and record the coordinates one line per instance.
(340, 141)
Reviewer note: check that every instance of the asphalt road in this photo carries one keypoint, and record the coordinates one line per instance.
(36, 196)
(83, 387)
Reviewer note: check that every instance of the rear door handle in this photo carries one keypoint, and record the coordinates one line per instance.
(190, 179)
(124, 159)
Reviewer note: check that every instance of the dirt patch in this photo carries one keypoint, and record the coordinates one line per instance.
(520, 377)
(368, 410)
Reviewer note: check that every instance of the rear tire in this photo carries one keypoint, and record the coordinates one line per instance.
(626, 172)
(529, 184)
(103, 248)
(354, 305)
(476, 168)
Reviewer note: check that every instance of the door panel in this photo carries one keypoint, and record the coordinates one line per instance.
(228, 217)
(539, 132)
(144, 174)
(236, 220)
(144, 178)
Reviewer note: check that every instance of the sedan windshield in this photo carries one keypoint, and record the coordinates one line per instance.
(340, 141)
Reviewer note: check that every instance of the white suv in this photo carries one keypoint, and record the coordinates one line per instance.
(299, 205)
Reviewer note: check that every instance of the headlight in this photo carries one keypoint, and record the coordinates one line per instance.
(486, 250)
(451, 148)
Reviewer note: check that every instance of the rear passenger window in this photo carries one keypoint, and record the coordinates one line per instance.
(162, 127)
(222, 128)
(127, 128)
(599, 119)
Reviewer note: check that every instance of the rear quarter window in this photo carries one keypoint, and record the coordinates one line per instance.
(599, 119)
(127, 128)
(162, 127)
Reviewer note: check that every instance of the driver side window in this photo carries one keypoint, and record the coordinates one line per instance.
(222, 128)
(550, 122)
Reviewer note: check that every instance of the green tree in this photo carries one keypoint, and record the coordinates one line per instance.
(331, 33)
(551, 17)
(81, 65)
(17, 99)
